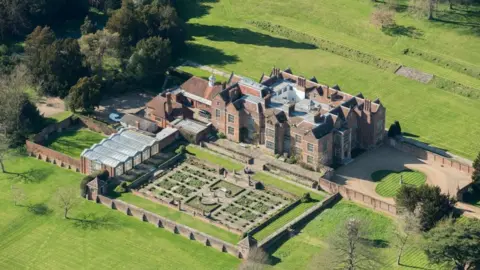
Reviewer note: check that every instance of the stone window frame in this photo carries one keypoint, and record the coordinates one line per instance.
(270, 145)
(232, 130)
(310, 159)
(217, 113)
(298, 138)
(310, 147)
(298, 150)
(270, 132)
(232, 117)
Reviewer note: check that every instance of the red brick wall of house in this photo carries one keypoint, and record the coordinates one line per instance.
(236, 123)
(218, 122)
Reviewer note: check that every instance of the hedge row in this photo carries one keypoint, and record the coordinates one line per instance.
(455, 87)
(327, 45)
(468, 70)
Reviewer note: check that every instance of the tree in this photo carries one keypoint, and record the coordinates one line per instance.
(88, 26)
(383, 17)
(349, 248)
(66, 199)
(422, 8)
(18, 195)
(432, 203)
(150, 61)
(85, 94)
(37, 41)
(98, 47)
(456, 242)
(409, 226)
(18, 115)
(476, 170)
(257, 260)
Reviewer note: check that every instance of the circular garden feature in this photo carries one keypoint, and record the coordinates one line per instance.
(389, 182)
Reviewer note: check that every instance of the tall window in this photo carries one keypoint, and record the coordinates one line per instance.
(231, 130)
(231, 118)
(119, 170)
(310, 159)
(310, 147)
(270, 145)
(270, 132)
(298, 150)
(298, 139)
(217, 113)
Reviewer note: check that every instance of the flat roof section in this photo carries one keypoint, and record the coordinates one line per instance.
(166, 132)
(189, 125)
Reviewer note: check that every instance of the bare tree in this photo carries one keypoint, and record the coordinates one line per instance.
(18, 195)
(409, 226)
(257, 259)
(66, 199)
(4, 151)
(349, 249)
(423, 8)
(383, 17)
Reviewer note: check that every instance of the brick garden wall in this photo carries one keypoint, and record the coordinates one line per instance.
(43, 135)
(171, 226)
(231, 153)
(96, 125)
(49, 155)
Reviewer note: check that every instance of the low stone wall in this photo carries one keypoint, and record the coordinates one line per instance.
(359, 197)
(96, 125)
(231, 153)
(274, 217)
(161, 222)
(298, 221)
(430, 157)
(52, 156)
(301, 179)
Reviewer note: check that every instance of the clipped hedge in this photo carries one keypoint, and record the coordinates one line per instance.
(473, 71)
(454, 87)
(327, 45)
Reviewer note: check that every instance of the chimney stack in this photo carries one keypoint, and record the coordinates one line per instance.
(137, 124)
(317, 117)
(211, 81)
(301, 81)
(168, 105)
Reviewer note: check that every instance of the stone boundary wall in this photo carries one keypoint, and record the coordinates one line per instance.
(187, 210)
(301, 179)
(275, 217)
(96, 125)
(161, 222)
(429, 156)
(283, 231)
(359, 197)
(43, 135)
(49, 155)
(227, 152)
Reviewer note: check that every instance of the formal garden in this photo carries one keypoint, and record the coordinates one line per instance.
(389, 182)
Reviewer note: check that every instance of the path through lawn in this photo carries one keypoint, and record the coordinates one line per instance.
(391, 181)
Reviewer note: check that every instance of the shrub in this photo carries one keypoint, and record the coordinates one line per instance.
(181, 149)
(291, 160)
(122, 188)
(83, 185)
(306, 198)
(220, 135)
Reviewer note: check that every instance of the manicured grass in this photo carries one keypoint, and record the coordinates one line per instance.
(202, 73)
(106, 239)
(389, 181)
(213, 158)
(423, 110)
(73, 142)
(284, 219)
(299, 251)
(58, 117)
(294, 189)
(180, 217)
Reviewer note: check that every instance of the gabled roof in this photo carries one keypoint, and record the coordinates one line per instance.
(200, 88)
(143, 124)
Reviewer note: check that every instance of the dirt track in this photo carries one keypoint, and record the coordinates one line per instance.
(358, 173)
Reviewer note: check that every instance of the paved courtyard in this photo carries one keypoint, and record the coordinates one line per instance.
(357, 174)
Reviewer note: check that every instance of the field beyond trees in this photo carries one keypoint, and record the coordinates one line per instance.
(431, 114)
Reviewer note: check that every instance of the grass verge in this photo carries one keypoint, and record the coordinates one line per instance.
(389, 181)
(213, 158)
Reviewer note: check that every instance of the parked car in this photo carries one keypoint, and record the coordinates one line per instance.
(205, 114)
(115, 117)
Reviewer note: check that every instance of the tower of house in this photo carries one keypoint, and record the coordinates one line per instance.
(211, 80)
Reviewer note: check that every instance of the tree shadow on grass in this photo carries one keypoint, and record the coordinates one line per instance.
(93, 221)
(400, 30)
(376, 243)
(188, 9)
(39, 209)
(244, 36)
(31, 175)
(206, 55)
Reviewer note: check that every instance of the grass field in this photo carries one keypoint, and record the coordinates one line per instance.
(290, 215)
(389, 181)
(95, 238)
(202, 73)
(216, 159)
(299, 251)
(73, 142)
(180, 218)
(423, 110)
(59, 117)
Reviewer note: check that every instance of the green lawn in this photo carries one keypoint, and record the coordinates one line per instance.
(423, 110)
(180, 218)
(290, 215)
(202, 73)
(389, 181)
(109, 240)
(299, 251)
(214, 158)
(58, 117)
(73, 142)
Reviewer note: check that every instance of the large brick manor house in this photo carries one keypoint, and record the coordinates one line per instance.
(285, 113)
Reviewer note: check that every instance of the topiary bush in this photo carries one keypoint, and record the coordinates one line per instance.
(122, 188)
